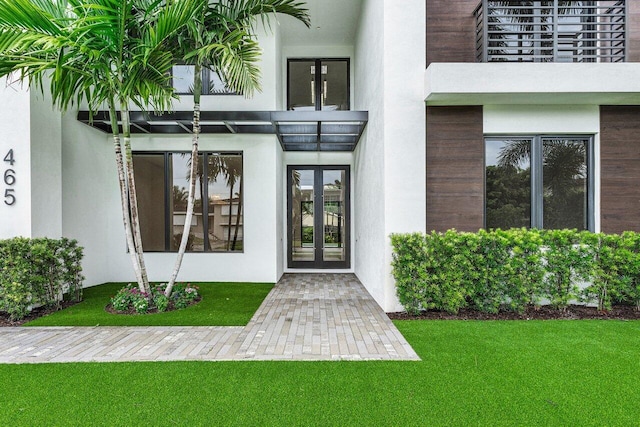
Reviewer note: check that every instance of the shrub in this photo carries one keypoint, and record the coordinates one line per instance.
(607, 275)
(525, 270)
(38, 272)
(425, 268)
(567, 260)
(512, 269)
(491, 251)
(131, 299)
(629, 257)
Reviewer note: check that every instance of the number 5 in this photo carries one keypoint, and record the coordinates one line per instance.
(9, 198)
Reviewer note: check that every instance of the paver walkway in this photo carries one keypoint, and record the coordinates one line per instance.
(304, 317)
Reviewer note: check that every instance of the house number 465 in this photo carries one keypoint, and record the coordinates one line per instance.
(9, 179)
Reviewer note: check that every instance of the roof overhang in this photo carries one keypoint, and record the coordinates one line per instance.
(296, 130)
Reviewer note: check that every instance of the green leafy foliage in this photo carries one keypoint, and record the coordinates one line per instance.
(130, 299)
(38, 272)
(512, 269)
(567, 262)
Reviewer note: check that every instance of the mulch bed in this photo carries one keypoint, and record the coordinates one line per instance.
(35, 313)
(109, 308)
(573, 312)
(43, 311)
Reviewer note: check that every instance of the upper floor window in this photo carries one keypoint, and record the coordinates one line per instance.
(212, 83)
(318, 84)
(551, 30)
(542, 181)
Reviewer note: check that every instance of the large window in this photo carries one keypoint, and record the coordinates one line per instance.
(162, 183)
(212, 83)
(539, 181)
(318, 84)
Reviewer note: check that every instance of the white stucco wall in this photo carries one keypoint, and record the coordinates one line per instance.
(31, 128)
(265, 99)
(46, 167)
(390, 159)
(90, 201)
(405, 127)
(369, 191)
(15, 127)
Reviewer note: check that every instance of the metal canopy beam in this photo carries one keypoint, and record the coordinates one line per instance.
(296, 130)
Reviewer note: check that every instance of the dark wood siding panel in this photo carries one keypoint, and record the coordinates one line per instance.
(633, 38)
(455, 168)
(451, 31)
(620, 168)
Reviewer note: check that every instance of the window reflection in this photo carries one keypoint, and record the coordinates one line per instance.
(303, 215)
(212, 82)
(333, 216)
(149, 173)
(565, 183)
(162, 182)
(318, 85)
(224, 178)
(508, 183)
(180, 170)
(559, 178)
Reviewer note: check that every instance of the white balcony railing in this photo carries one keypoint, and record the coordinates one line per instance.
(551, 31)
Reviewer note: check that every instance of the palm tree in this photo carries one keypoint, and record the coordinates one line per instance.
(221, 38)
(109, 52)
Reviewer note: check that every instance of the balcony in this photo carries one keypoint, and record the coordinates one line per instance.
(551, 31)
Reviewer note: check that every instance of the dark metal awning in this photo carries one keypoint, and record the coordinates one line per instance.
(296, 130)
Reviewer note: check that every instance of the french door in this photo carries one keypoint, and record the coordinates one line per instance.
(318, 230)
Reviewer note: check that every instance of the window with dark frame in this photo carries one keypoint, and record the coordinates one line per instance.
(541, 181)
(212, 82)
(318, 84)
(162, 183)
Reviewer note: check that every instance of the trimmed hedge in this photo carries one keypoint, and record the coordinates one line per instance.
(512, 269)
(37, 272)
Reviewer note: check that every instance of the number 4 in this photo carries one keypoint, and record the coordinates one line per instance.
(9, 157)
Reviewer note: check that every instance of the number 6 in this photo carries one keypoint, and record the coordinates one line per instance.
(9, 177)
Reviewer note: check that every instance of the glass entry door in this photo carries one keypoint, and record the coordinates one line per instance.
(318, 216)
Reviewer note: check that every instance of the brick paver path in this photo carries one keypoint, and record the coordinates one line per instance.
(304, 317)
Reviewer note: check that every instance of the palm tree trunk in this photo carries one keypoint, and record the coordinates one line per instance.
(230, 213)
(197, 89)
(122, 181)
(238, 214)
(133, 198)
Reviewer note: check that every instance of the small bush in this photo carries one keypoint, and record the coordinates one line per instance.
(130, 299)
(424, 267)
(567, 262)
(38, 272)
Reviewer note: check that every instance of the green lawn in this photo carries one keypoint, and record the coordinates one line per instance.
(223, 304)
(514, 373)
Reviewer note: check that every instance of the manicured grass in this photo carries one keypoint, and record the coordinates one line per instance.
(223, 304)
(547, 373)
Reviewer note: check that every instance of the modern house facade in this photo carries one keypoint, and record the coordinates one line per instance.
(381, 118)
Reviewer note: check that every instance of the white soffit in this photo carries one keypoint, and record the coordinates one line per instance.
(333, 22)
(532, 83)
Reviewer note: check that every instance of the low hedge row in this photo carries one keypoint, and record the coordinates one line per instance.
(512, 269)
(38, 272)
